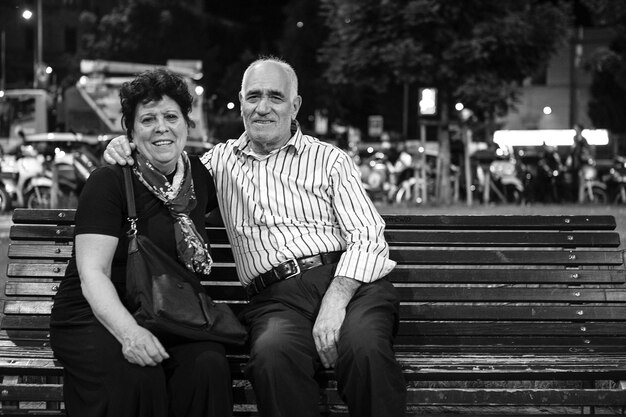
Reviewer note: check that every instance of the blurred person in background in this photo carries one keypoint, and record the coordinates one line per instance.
(579, 156)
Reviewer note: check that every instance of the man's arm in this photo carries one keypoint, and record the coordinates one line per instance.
(366, 258)
(118, 151)
(331, 316)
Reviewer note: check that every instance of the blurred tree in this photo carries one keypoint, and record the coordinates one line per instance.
(477, 52)
(303, 30)
(153, 31)
(608, 67)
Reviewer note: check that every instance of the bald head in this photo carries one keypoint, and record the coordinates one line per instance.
(284, 66)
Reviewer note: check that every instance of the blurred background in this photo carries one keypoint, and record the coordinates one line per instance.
(439, 102)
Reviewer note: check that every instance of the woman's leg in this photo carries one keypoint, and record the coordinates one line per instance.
(198, 380)
(100, 382)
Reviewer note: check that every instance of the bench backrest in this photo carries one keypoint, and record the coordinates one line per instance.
(463, 280)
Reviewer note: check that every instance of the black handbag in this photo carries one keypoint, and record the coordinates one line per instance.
(167, 298)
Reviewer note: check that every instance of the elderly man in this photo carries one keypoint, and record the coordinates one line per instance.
(310, 251)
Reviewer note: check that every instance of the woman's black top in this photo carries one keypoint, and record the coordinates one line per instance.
(102, 210)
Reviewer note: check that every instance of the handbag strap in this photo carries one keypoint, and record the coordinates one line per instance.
(130, 198)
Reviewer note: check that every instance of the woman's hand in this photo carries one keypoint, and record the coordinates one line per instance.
(118, 151)
(142, 348)
(94, 257)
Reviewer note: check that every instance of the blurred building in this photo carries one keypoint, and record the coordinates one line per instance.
(558, 97)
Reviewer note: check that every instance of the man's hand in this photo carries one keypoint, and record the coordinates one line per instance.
(142, 348)
(118, 151)
(330, 318)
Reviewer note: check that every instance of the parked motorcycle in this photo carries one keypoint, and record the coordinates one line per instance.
(591, 189)
(616, 180)
(72, 171)
(550, 177)
(375, 176)
(23, 179)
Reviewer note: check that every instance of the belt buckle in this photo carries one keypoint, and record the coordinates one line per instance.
(295, 268)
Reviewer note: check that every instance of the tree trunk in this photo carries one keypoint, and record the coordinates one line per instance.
(443, 190)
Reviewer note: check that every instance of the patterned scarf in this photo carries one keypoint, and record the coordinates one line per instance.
(179, 198)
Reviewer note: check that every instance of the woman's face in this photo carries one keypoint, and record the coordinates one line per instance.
(160, 132)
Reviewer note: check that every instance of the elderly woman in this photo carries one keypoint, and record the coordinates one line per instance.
(113, 366)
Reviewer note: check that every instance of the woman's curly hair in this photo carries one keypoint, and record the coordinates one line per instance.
(149, 86)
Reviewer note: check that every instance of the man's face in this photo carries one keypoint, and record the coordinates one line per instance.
(266, 106)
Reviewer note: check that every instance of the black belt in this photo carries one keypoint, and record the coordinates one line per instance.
(290, 269)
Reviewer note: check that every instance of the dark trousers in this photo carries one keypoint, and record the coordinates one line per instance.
(100, 382)
(283, 358)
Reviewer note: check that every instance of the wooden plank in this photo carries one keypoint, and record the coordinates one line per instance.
(486, 238)
(219, 291)
(59, 233)
(412, 311)
(488, 222)
(470, 341)
(21, 288)
(37, 216)
(513, 275)
(54, 270)
(505, 257)
(40, 251)
(24, 322)
(404, 256)
(32, 392)
(512, 328)
(27, 307)
(511, 294)
(431, 312)
(508, 222)
(517, 397)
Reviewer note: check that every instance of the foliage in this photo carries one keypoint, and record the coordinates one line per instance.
(608, 68)
(153, 31)
(480, 51)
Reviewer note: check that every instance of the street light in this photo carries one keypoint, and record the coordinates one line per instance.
(38, 53)
(3, 59)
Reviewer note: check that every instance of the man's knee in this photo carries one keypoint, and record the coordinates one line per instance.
(364, 346)
(269, 352)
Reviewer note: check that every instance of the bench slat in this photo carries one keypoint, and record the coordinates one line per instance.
(42, 232)
(513, 328)
(517, 397)
(482, 238)
(405, 237)
(514, 275)
(402, 274)
(509, 313)
(511, 294)
(505, 257)
(532, 222)
(17, 318)
(537, 222)
(480, 294)
(42, 251)
(34, 216)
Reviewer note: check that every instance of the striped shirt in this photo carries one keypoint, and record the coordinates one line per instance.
(300, 200)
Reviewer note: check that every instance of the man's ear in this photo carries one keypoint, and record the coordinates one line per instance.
(297, 102)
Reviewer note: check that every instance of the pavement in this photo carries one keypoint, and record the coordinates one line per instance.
(5, 224)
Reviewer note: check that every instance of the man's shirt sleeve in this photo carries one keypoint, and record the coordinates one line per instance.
(367, 252)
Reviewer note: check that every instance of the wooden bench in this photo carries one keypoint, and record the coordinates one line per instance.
(500, 314)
